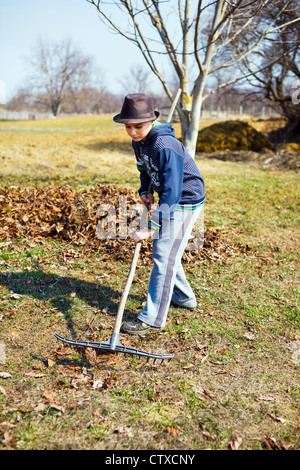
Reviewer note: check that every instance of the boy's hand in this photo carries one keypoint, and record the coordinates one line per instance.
(148, 200)
(141, 235)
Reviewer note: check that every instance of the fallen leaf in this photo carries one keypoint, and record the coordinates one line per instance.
(201, 346)
(235, 444)
(124, 430)
(8, 439)
(277, 418)
(40, 408)
(5, 375)
(50, 363)
(53, 401)
(49, 396)
(209, 394)
(36, 375)
(249, 336)
(271, 444)
(98, 383)
(71, 295)
(264, 398)
(173, 430)
(15, 296)
(17, 408)
(188, 366)
(6, 424)
(203, 391)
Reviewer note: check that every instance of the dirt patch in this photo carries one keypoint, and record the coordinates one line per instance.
(238, 141)
(231, 135)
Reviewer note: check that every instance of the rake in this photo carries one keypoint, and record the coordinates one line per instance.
(114, 344)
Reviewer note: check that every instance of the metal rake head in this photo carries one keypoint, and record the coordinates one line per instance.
(115, 348)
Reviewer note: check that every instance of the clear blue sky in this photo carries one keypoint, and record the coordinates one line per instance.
(22, 22)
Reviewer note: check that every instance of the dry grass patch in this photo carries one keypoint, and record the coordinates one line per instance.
(233, 382)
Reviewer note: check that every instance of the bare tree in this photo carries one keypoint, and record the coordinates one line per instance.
(137, 80)
(20, 101)
(58, 72)
(277, 82)
(197, 38)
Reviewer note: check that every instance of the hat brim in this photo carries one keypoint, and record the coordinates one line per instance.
(118, 118)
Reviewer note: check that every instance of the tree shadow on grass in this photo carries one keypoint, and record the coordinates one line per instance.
(60, 290)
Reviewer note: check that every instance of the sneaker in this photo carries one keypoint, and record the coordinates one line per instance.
(137, 327)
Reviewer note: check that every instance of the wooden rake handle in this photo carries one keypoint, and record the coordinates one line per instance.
(174, 104)
(129, 280)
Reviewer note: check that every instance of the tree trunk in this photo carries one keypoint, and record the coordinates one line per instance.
(190, 120)
(292, 129)
(189, 132)
(55, 107)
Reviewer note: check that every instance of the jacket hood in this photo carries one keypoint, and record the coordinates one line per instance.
(158, 130)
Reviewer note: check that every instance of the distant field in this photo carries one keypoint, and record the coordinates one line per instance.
(71, 147)
(64, 148)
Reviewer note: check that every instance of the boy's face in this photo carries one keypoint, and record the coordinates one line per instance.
(140, 131)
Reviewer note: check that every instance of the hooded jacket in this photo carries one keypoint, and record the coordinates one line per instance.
(164, 162)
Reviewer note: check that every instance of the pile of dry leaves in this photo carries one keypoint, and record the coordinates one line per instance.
(64, 214)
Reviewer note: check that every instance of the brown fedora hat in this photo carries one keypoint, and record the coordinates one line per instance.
(136, 108)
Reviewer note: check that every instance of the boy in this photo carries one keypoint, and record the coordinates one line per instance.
(166, 168)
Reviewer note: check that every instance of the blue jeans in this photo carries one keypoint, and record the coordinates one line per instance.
(168, 281)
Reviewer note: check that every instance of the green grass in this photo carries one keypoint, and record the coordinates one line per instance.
(233, 373)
